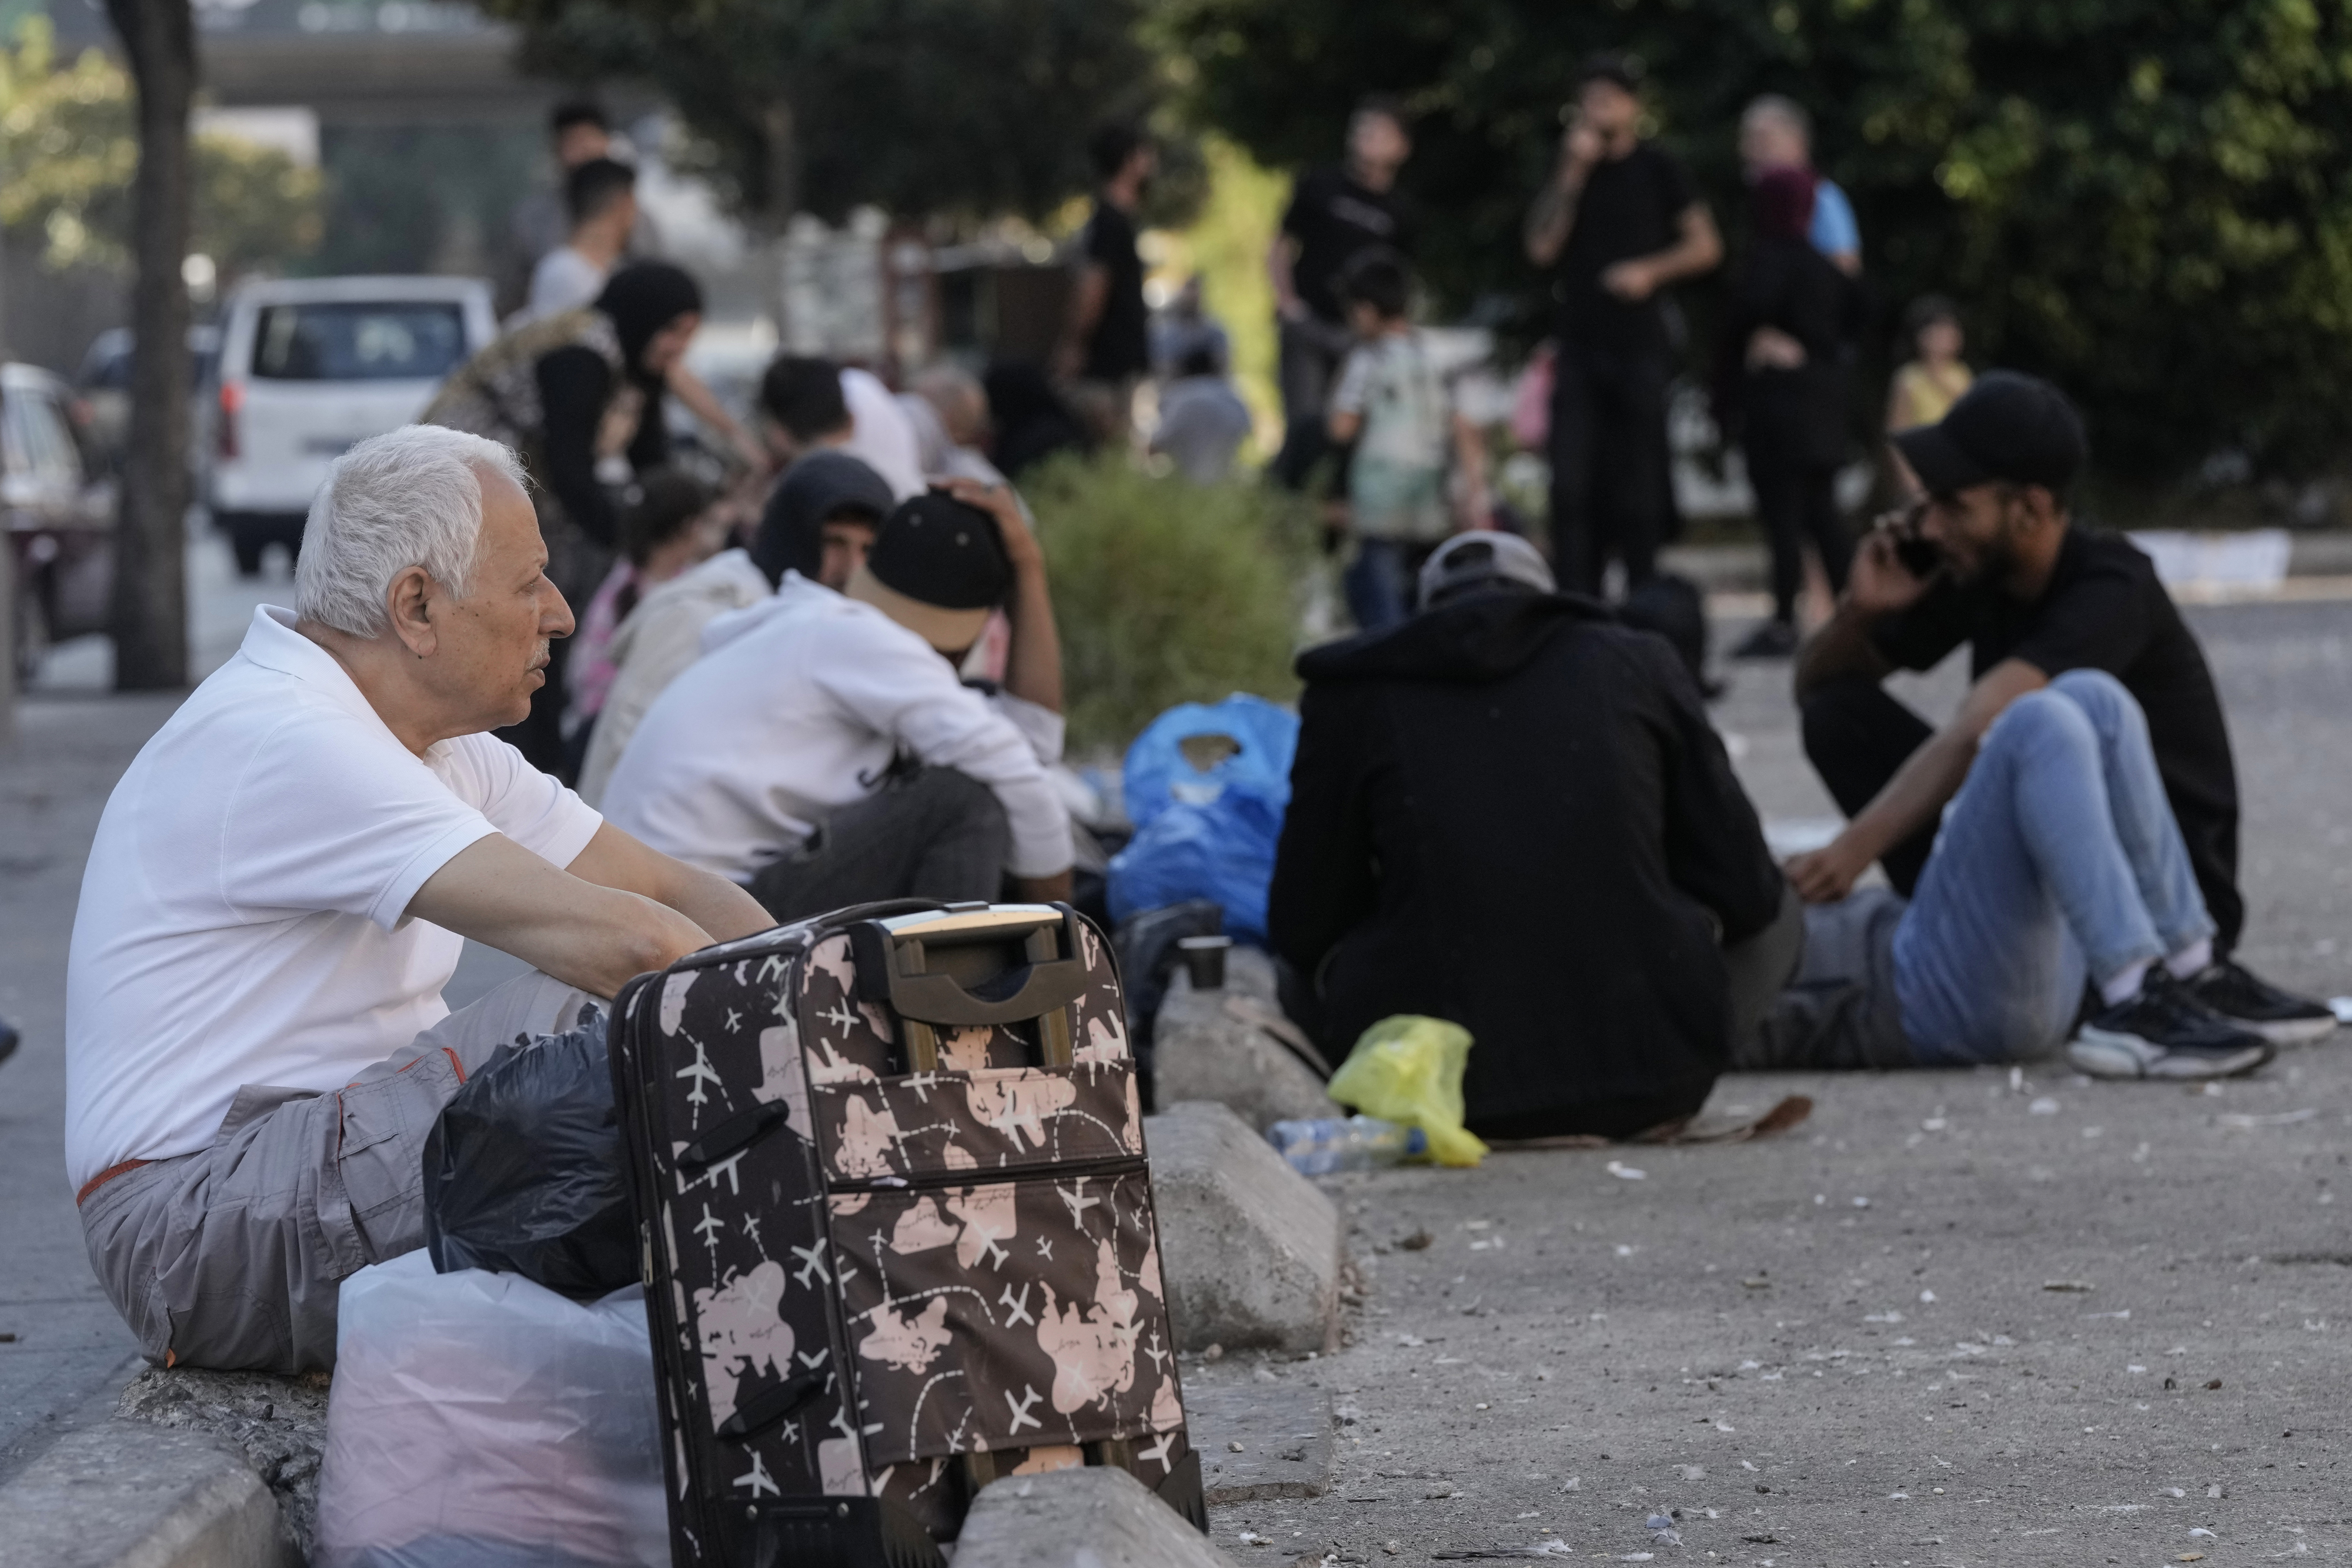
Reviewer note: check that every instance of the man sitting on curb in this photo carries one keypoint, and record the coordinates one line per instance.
(823, 751)
(2034, 597)
(1511, 812)
(820, 523)
(2058, 858)
(255, 1044)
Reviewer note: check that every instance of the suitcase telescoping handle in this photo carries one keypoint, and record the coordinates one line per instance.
(890, 958)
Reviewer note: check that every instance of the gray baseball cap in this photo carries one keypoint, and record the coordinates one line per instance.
(1486, 556)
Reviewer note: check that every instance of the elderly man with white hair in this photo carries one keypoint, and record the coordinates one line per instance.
(255, 1042)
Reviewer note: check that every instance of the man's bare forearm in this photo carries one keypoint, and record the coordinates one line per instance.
(1841, 647)
(1698, 250)
(717, 905)
(1917, 793)
(1033, 664)
(1552, 218)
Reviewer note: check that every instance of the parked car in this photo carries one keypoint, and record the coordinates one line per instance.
(104, 382)
(308, 368)
(57, 510)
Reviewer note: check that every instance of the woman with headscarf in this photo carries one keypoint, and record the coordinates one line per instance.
(1793, 316)
(567, 392)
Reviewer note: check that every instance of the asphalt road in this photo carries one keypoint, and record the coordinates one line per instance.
(1852, 1315)
(1843, 1346)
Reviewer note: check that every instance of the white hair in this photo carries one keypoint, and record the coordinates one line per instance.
(412, 496)
(1780, 107)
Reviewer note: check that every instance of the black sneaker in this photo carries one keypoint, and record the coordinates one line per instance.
(1772, 640)
(2165, 1032)
(2245, 998)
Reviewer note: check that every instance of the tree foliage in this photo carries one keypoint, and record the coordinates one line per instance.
(962, 106)
(2148, 200)
(69, 150)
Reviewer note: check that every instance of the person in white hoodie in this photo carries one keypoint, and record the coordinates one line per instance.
(824, 751)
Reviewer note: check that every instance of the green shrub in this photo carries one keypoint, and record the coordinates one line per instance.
(1165, 591)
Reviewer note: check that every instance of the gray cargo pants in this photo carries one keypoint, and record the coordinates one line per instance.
(231, 1257)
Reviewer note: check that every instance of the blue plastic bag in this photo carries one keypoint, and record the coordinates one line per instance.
(1206, 833)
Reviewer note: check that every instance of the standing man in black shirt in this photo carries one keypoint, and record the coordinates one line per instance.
(1620, 221)
(1335, 216)
(1106, 347)
(1991, 559)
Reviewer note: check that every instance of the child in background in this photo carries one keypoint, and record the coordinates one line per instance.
(1394, 408)
(1932, 381)
(675, 522)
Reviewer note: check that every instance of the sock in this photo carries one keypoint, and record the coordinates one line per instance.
(2123, 984)
(2189, 960)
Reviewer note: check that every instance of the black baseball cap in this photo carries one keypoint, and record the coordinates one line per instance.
(1614, 67)
(2008, 427)
(936, 568)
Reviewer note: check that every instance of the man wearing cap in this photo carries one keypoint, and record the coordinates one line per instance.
(823, 752)
(1989, 557)
(1512, 812)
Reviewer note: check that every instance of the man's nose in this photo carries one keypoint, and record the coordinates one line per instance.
(555, 616)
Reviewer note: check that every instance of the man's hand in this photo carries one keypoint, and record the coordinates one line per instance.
(1879, 584)
(1770, 349)
(1827, 875)
(1631, 281)
(1581, 147)
(1022, 550)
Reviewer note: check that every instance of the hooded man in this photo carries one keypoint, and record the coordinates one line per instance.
(820, 523)
(1510, 811)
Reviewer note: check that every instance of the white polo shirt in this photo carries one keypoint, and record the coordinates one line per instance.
(243, 916)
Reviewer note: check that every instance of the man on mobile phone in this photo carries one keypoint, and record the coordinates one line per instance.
(1621, 220)
(2035, 597)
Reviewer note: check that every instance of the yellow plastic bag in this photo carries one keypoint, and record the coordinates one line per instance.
(1408, 1070)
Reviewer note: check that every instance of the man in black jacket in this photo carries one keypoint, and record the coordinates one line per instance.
(1512, 812)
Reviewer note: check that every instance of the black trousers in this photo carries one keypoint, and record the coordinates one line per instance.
(932, 833)
(1796, 502)
(1608, 464)
(1856, 736)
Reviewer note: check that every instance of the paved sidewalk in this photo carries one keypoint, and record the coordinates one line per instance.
(53, 779)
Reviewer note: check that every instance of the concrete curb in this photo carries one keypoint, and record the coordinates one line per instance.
(129, 1496)
(1746, 568)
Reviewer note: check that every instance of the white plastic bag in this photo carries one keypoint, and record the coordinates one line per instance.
(479, 1421)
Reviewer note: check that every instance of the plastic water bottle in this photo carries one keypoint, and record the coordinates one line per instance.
(1331, 1143)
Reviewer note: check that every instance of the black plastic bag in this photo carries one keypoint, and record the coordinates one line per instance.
(522, 1172)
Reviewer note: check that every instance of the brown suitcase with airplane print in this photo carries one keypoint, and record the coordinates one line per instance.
(889, 1172)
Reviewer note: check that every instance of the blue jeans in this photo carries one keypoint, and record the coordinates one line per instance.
(2058, 858)
(1378, 583)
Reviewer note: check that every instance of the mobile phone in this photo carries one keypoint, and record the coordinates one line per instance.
(1919, 555)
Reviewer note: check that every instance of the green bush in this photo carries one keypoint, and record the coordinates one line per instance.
(1165, 591)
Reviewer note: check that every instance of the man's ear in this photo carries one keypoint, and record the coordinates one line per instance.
(410, 603)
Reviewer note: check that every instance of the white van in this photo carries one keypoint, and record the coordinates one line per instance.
(310, 367)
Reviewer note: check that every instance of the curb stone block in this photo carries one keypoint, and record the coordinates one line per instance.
(277, 1423)
(128, 1496)
(1090, 1516)
(1249, 1247)
(1259, 1441)
(1205, 1047)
